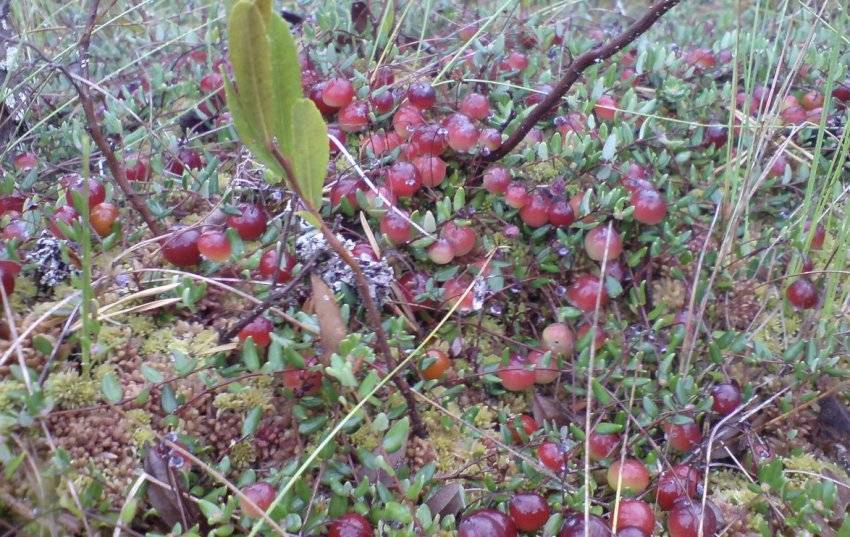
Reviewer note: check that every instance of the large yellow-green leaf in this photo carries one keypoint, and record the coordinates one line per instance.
(246, 131)
(286, 73)
(251, 58)
(310, 155)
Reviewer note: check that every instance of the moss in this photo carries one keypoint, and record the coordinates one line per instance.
(25, 291)
(364, 438)
(140, 325)
(70, 390)
(243, 454)
(257, 394)
(141, 426)
(731, 487)
(9, 392)
(808, 463)
(454, 449)
(669, 292)
(484, 418)
(542, 172)
(164, 340)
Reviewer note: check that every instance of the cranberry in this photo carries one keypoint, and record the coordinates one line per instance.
(574, 526)
(606, 107)
(65, 214)
(716, 136)
(632, 475)
(136, 168)
(600, 336)
(818, 237)
(559, 338)
(802, 294)
(432, 170)
(337, 92)
(561, 213)
(727, 397)
(650, 207)
(584, 292)
(551, 456)
(453, 289)
(74, 183)
(13, 203)
(490, 138)
(102, 216)
(403, 179)
(350, 525)
(364, 250)
(529, 511)
(380, 143)
(678, 482)
(686, 517)
(429, 140)
(259, 330)
(475, 106)
(181, 247)
(347, 188)
(528, 424)
(25, 162)
(486, 523)
(842, 92)
(777, 169)
(382, 76)
(701, 58)
(354, 117)
(461, 238)
(683, 436)
(540, 93)
(517, 376)
(794, 114)
(439, 363)
(396, 228)
(602, 445)
(602, 243)
(574, 122)
(496, 179)
(406, 119)
(631, 531)
(251, 223)
(186, 158)
(462, 134)
(16, 229)
(441, 252)
(336, 132)
(379, 201)
(544, 373)
(9, 270)
(315, 95)
(421, 95)
(516, 61)
(271, 264)
(536, 212)
(382, 102)
(516, 195)
(636, 513)
(262, 494)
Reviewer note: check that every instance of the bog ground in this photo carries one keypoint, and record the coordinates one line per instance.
(435, 268)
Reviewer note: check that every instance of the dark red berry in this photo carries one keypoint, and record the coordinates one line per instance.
(636, 513)
(551, 456)
(802, 294)
(528, 424)
(74, 183)
(486, 523)
(271, 264)
(353, 117)
(262, 494)
(9, 270)
(421, 95)
(650, 207)
(181, 247)
(337, 92)
(396, 228)
(686, 517)
(683, 434)
(529, 511)
(350, 525)
(574, 526)
(602, 445)
(403, 179)
(251, 223)
(727, 397)
(259, 330)
(535, 213)
(678, 482)
(585, 291)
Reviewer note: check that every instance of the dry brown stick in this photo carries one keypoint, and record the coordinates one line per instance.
(574, 71)
(93, 127)
(372, 313)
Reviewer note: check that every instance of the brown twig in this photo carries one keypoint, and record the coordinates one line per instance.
(372, 313)
(93, 127)
(574, 71)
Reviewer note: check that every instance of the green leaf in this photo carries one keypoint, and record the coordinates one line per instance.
(151, 375)
(286, 76)
(250, 55)
(311, 152)
(385, 28)
(111, 388)
(396, 436)
(252, 420)
(250, 356)
(610, 147)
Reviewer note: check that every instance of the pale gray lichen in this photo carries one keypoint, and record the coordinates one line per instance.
(51, 269)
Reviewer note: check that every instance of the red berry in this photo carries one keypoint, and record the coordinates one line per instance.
(636, 513)
(490, 138)
(686, 517)
(496, 179)
(347, 188)
(486, 523)
(529, 511)
(727, 397)
(441, 252)
(382, 102)
(315, 95)
(383, 76)
(462, 134)
(475, 106)
(551, 457)
(701, 58)
(66, 214)
(600, 336)
(186, 158)
(354, 117)
(439, 363)
(453, 289)
(683, 436)
(818, 237)
(336, 132)
(606, 107)
(403, 179)
(102, 216)
(561, 213)
(25, 162)
(16, 229)
(559, 338)
(259, 330)
(406, 119)
(271, 264)
(650, 207)
(350, 525)
(516, 61)
(262, 494)
(181, 247)
(535, 213)
(528, 424)
(602, 445)
(777, 169)
(432, 170)
(421, 95)
(137, 168)
(802, 294)
(584, 292)
(396, 228)
(379, 201)
(12, 203)
(516, 195)
(574, 526)
(380, 142)
(842, 92)
(600, 243)
(214, 245)
(544, 371)
(9, 270)
(517, 376)
(364, 250)
(337, 92)
(632, 474)
(716, 136)
(574, 122)
(412, 285)
(428, 140)
(251, 223)
(461, 238)
(631, 531)
(678, 482)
